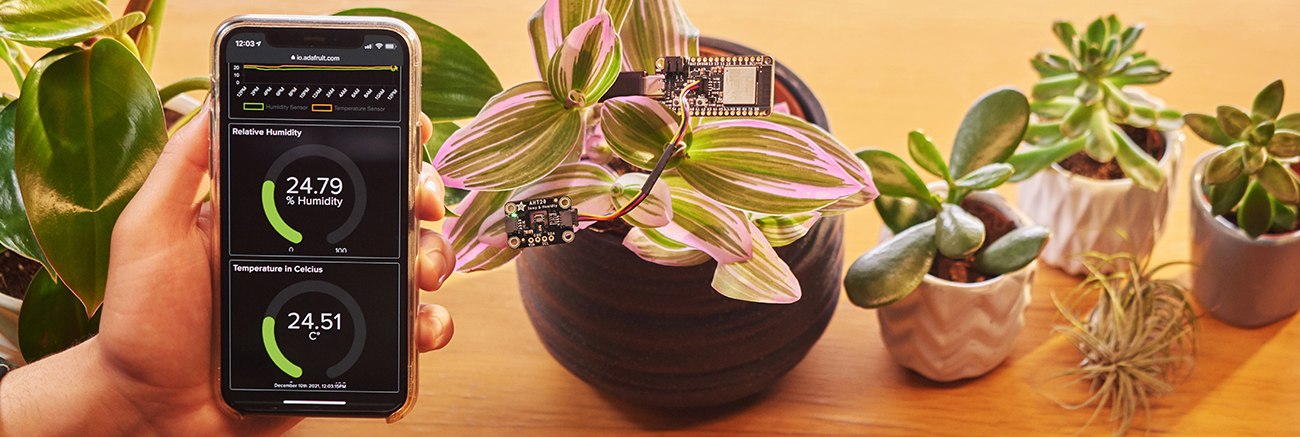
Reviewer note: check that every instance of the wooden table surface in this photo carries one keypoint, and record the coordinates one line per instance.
(881, 69)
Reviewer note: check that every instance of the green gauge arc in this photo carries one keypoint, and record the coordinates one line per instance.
(272, 349)
(314, 286)
(273, 215)
(303, 151)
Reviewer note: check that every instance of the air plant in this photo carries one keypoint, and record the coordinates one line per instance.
(926, 223)
(1252, 176)
(1139, 335)
(1080, 102)
(733, 189)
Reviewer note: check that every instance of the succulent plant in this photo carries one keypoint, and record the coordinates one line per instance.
(1080, 101)
(927, 223)
(1253, 174)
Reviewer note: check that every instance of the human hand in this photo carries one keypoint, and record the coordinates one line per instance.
(148, 371)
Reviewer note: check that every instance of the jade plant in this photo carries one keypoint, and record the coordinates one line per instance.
(1080, 102)
(734, 188)
(1252, 177)
(926, 223)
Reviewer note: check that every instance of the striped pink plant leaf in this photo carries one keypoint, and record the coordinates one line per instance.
(653, 212)
(781, 230)
(656, 28)
(764, 167)
(484, 257)
(652, 246)
(707, 225)
(638, 128)
(763, 278)
(586, 64)
(589, 187)
(556, 18)
(463, 231)
(521, 135)
(842, 156)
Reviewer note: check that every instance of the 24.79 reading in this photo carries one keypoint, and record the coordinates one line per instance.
(304, 186)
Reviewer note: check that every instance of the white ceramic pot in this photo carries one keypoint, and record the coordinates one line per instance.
(1243, 282)
(1083, 213)
(950, 330)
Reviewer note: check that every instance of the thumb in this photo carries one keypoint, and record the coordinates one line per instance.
(171, 195)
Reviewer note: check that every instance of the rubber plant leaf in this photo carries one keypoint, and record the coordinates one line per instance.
(556, 19)
(990, 131)
(1137, 165)
(1279, 181)
(987, 177)
(1225, 197)
(893, 269)
(1225, 166)
(958, 234)
(1255, 214)
(1268, 103)
(1284, 144)
(120, 26)
(652, 246)
(1013, 251)
(654, 29)
(586, 64)
(638, 128)
(707, 225)
(842, 156)
(589, 187)
(925, 155)
(763, 167)
(52, 23)
(900, 213)
(521, 135)
(463, 231)
(15, 231)
(1207, 127)
(457, 82)
(1233, 121)
(653, 212)
(1030, 162)
(892, 176)
(53, 319)
(97, 111)
(763, 278)
(781, 230)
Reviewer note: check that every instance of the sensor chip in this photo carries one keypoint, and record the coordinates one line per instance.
(540, 222)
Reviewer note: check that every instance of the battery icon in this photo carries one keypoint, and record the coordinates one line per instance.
(254, 106)
(390, 46)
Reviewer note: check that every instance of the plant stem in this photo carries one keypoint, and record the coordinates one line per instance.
(146, 34)
(169, 92)
(184, 121)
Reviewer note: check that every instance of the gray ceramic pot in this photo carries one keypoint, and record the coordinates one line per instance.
(1243, 282)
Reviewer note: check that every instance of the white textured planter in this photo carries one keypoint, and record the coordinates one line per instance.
(1083, 213)
(1243, 282)
(950, 330)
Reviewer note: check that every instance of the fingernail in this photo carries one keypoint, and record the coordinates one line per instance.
(439, 264)
(434, 186)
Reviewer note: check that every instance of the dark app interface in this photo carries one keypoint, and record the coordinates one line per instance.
(314, 168)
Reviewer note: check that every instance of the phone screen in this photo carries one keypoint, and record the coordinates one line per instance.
(314, 159)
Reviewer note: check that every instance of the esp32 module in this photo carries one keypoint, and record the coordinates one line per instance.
(540, 221)
(733, 86)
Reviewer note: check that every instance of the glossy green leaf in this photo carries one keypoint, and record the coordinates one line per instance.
(520, 136)
(707, 225)
(1054, 109)
(9, 52)
(925, 155)
(781, 230)
(95, 110)
(1225, 166)
(1224, 197)
(1284, 144)
(656, 28)
(457, 82)
(556, 19)
(1233, 121)
(638, 128)
(1279, 181)
(1057, 86)
(1268, 103)
(586, 64)
(1255, 214)
(987, 177)
(1137, 165)
(893, 177)
(52, 23)
(893, 269)
(53, 319)
(838, 153)
(653, 212)
(990, 131)
(1289, 122)
(763, 167)
(15, 231)
(958, 234)
(1253, 158)
(1043, 134)
(1077, 121)
(900, 213)
(121, 25)
(1013, 251)
(1207, 127)
(1029, 162)
(652, 246)
(1284, 217)
(763, 278)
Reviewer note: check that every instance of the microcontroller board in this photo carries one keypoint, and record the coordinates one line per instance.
(541, 221)
(730, 86)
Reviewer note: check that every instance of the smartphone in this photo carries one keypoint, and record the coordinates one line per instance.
(313, 163)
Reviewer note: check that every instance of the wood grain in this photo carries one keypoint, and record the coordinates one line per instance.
(881, 69)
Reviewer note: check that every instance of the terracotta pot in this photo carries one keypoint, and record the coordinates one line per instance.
(661, 336)
(1243, 282)
(949, 330)
(1083, 213)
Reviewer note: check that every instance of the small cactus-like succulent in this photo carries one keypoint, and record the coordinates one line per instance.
(1250, 175)
(1080, 102)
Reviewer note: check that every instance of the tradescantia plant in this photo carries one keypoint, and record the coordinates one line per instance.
(1080, 102)
(926, 223)
(1252, 176)
(734, 189)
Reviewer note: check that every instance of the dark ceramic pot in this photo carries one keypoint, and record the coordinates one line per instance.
(661, 336)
